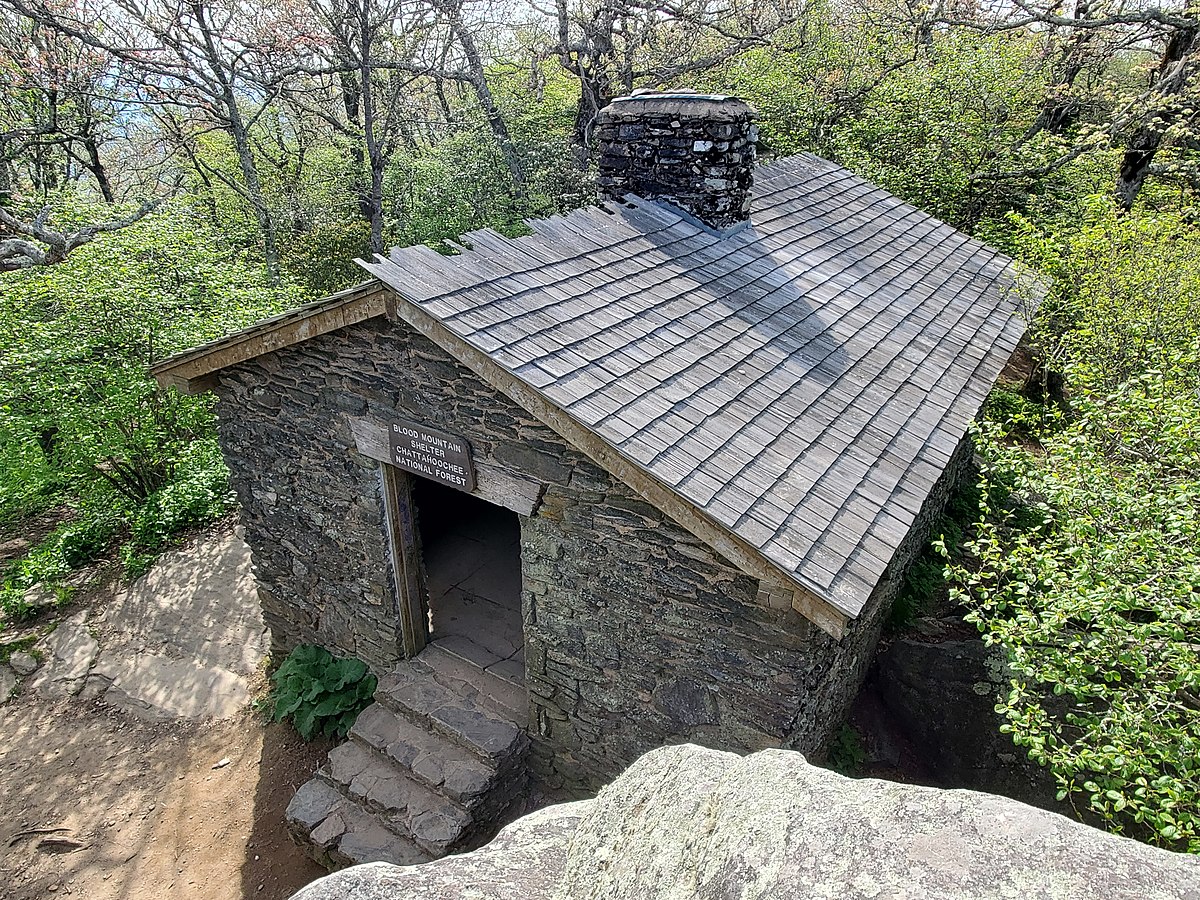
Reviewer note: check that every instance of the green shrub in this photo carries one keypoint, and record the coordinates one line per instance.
(1016, 414)
(846, 754)
(199, 494)
(320, 693)
(28, 484)
(925, 581)
(1084, 569)
(12, 603)
(85, 541)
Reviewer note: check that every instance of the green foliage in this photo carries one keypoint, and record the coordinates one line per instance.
(925, 587)
(199, 494)
(846, 754)
(1016, 414)
(323, 256)
(83, 424)
(320, 693)
(29, 483)
(1085, 569)
(813, 84)
(75, 396)
(67, 547)
(923, 582)
(933, 125)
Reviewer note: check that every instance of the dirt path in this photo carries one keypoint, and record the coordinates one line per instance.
(101, 805)
(130, 766)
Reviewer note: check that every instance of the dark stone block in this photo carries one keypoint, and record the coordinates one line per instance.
(687, 703)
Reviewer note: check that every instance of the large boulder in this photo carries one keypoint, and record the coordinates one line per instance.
(686, 822)
(523, 862)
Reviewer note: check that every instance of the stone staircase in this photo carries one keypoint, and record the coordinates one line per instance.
(428, 768)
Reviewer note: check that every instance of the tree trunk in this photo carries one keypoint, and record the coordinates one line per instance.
(1144, 143)
(96, 167)
(235, 125)
(352, 95)
(372, 200)
(595, 93)
(483, 92)
(254, 191)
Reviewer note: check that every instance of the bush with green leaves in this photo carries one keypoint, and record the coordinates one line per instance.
(1084, 570)
(320, 693)
(82, 424)
(199, 493)
(67, 547)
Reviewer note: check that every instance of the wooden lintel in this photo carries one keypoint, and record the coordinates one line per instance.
(492, 483)
(817, 610)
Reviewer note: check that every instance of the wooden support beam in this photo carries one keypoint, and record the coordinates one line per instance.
(193, 371)
(492, 483)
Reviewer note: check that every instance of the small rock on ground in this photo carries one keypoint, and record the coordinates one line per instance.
(23, 663)
(70, 651)
(8, 683)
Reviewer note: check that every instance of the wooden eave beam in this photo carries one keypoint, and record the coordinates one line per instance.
(191, 372)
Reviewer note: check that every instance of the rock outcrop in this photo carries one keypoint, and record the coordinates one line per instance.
(686, 822)
(940, 686)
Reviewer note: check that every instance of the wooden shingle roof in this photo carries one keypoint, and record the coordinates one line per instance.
(798, 386)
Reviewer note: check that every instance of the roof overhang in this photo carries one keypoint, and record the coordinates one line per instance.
(193, 371)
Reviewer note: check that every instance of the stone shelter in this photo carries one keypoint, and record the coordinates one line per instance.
(650, 474)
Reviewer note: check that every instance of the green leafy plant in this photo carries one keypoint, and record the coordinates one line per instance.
(320, 693)
(846, 754)
(199, 494)
(1017, 414)
(1083, 569)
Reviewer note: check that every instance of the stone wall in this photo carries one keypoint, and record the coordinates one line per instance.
(312, 507)
(637, 634)
(696, 152)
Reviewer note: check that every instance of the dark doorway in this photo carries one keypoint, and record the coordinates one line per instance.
(472, 555)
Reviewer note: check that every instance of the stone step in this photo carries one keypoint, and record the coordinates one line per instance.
(506, 698)
(455, 709)
(428, 770)
(338, 832)
(406, 806)
(431, 758)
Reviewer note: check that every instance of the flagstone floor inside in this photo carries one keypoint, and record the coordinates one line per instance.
(472, 554)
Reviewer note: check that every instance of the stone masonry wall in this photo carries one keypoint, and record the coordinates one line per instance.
(637, 634)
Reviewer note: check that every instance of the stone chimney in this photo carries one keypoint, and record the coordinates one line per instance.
(695, 151)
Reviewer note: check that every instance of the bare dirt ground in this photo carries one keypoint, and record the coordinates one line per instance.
(102, 803)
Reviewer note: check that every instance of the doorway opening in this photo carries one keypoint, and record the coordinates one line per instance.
(471, 551)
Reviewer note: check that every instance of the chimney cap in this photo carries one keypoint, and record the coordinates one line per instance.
(680, 102)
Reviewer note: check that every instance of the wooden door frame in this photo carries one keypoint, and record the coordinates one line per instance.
(408, 570)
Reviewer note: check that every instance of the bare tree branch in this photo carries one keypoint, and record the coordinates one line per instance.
(25, 244)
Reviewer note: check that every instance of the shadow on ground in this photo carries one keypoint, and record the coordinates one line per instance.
(116, 780)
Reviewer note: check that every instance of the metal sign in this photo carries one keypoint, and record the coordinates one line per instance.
(434, 454)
